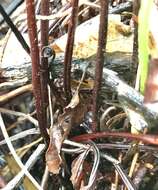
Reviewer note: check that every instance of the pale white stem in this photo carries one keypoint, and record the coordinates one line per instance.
(13, 152)
(22, 134)
(19, 114)
(30, 162)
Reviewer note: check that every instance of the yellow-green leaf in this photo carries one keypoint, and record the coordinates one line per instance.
(143, 40)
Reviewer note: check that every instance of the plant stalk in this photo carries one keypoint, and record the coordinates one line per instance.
(100, 60)
(44, 60)
(32, 30)
(69, 50)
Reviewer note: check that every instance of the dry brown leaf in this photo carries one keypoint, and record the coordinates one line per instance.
(53, 158)
(77, 169)
(72, 116)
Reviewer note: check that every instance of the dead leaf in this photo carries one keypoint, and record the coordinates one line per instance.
(77, 169)
(73, 115)
(60, 131)
(53, 158)
(74, 101)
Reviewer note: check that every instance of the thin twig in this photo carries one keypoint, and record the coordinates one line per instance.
(95, 165)
(28, 146)
(133, 164)
(3, 47)
(18, 121)
(100, 59)
(117, 174)
(115, 119)
(103, 126)
(50, 106)
(73, 150)
(20, 114)
(151, 139)
(15, 93)
(69, 50)
(9, 85)
(128, 182)
(126, 147)
(15, 30)
(72, 143)
(13, 152)
(22, 135)
(32, 29)
(44, 183)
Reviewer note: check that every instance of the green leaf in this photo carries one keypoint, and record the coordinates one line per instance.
(143, 40)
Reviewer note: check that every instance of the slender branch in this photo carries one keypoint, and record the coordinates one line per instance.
(44, 60)
(100, 58)
(15, 30)
(151, 139)
(20, 114)
(121, 146)
(69, 50)
(14, 93)
(44, 183)
(22, 134)
(32, 29)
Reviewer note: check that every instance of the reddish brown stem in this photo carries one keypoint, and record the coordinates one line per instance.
(69, 50)
(151, 90)
(151, 139)
(100, 58)
(32, 29)
(44, 60)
